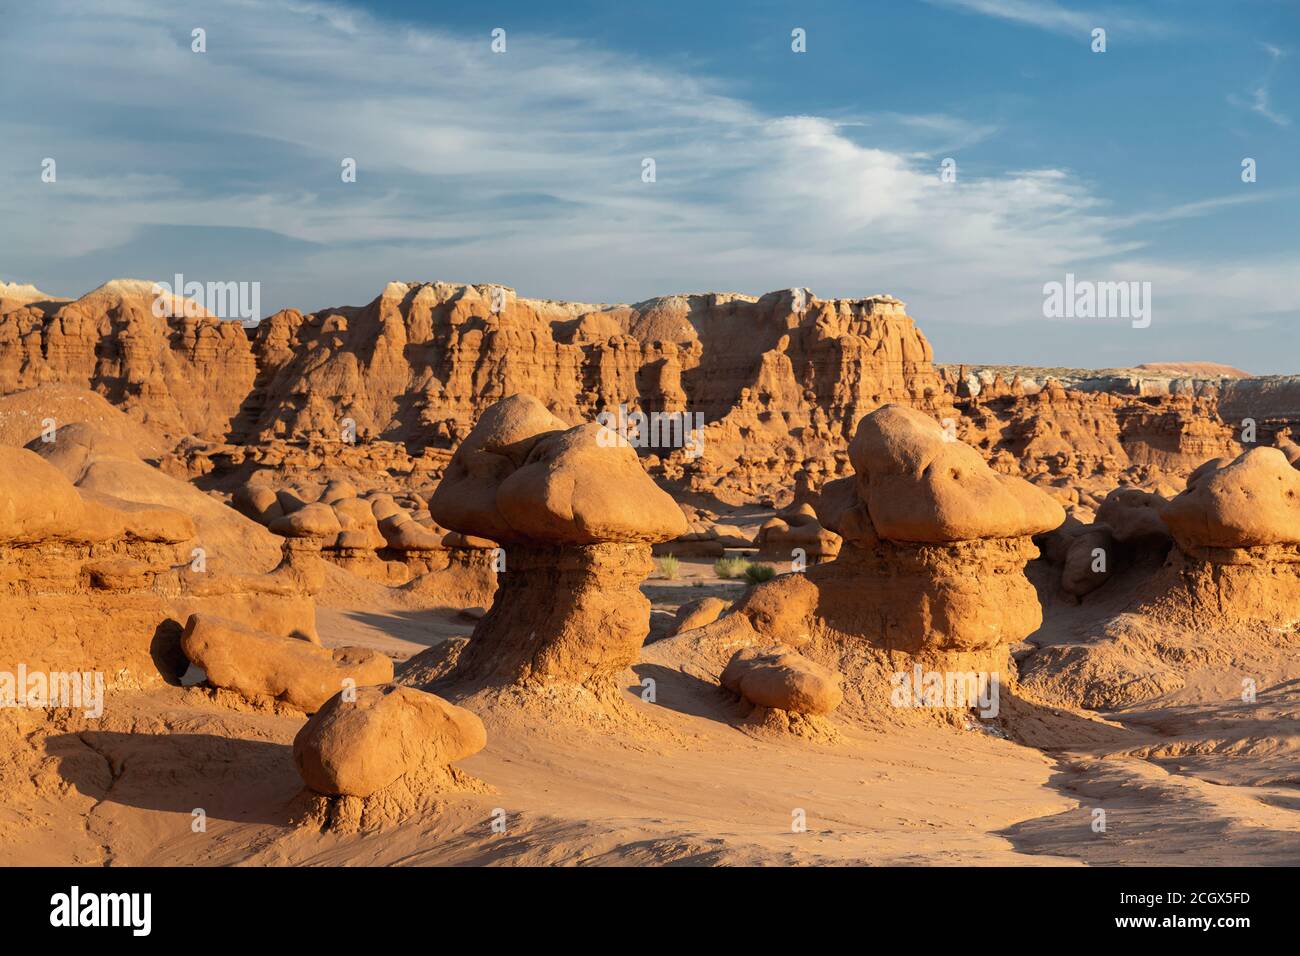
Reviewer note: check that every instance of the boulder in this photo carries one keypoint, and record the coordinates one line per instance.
(779, 677)
(698, 613)
(358, 747)
(256, 664)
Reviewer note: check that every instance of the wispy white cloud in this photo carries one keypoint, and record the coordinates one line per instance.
(1048, 15)
(522, 168)
(1260, 99)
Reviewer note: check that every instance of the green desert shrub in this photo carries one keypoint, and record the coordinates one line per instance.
(729, 568)
(668, 566)
(758, 573)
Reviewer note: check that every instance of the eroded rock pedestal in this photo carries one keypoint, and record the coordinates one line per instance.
(1237, 534)
(931, 570)
(1224, 603)
(577, 516)
(573, 613)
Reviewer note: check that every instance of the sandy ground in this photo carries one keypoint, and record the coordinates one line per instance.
(1188, 780)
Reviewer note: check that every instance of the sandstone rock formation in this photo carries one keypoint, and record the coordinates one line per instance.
(256, 664)
(375, 538)
(100, 463)
(698, 613)
(1134, 515)
(72, 559)
(577, 516)
(931, 568)
(38, 413)
(768, 382)
(705, 536)
(1228, 592)
(779, 677)
(796, 532)
(184, 375)
(359, 747)
(1251, 502)
(1059, 432)
(772, 377)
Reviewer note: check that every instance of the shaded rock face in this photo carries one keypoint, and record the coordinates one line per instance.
(577, 516)
(795, 532)
(355, 748)
(935, 545)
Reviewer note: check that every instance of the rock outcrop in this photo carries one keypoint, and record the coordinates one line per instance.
(255, 664)
(376, 538)
(357, 747)
(931, 568)
(1226, 595)
(577, 515)
(1237, 534)
(698, 613)
(780, 678)
(770, 379)
(796, 534)
(181, 375)
(72, 559)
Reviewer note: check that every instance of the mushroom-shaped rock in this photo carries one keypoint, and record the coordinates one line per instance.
(933, 558)
(781, 678)
(355, 747)
(559, 486)
(921, 485)
(253, 663)
(577, 515)
(466, 498)
(1250, 502)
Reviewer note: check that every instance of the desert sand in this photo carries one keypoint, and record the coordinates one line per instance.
(393, 584)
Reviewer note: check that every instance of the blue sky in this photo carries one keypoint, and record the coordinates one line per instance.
(773, 169)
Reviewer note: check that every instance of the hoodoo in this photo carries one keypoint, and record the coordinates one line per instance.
(576, 516)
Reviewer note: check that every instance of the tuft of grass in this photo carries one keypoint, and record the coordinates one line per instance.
(758, 573)
(668, 566)
(728, 568)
